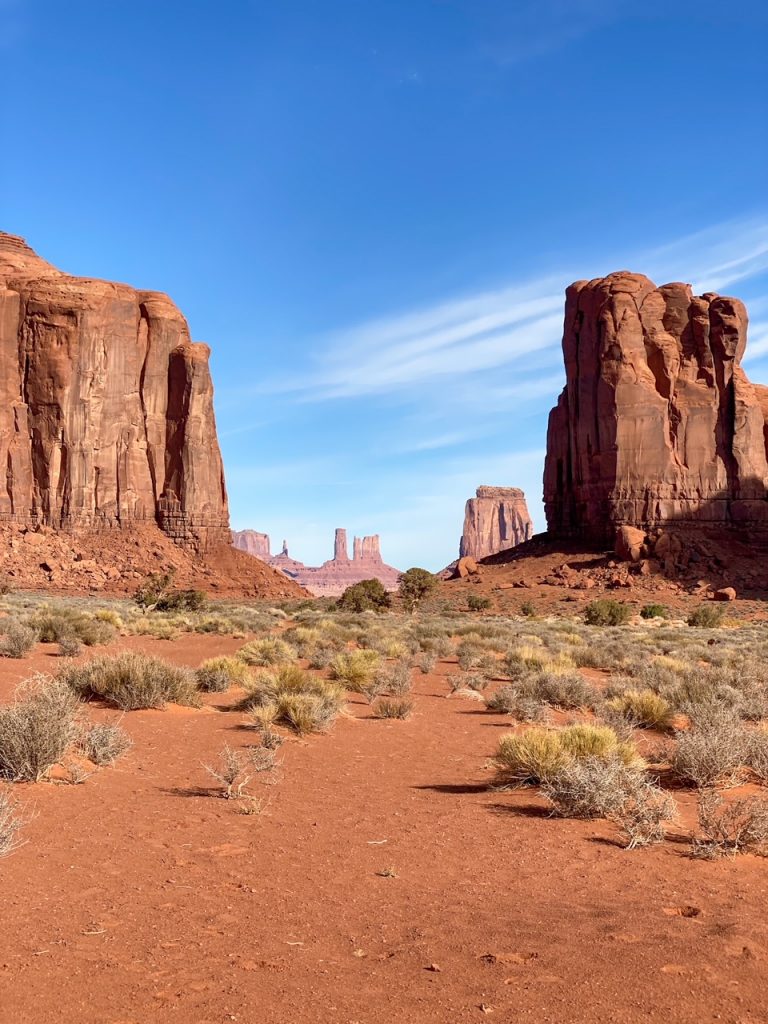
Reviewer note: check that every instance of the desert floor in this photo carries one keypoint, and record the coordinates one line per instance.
(381, 881)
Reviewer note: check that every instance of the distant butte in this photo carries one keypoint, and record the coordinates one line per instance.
(332, 577)
(494, 520)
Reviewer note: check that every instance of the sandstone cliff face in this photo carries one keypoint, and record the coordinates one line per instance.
(496, 519)
(658, 423)
(253, 543)
(106, 407)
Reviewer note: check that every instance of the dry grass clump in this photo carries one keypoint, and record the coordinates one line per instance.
(269, 650)
(103, 744)
(393, 707)
(11, 823)
(54, 623)
(131, 681)
(303, 702)
(16, 639)
(539, 754)
(393, 678)
(36, 729)
(595, 787)
(354, 669)
(712, 754)
(730, 828)
(643, 709)
(216, 675)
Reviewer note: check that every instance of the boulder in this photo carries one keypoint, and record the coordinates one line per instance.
(467, 566)
(630, 543)
(725, 594)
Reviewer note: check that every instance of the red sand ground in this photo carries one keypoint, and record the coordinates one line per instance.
(141, 897)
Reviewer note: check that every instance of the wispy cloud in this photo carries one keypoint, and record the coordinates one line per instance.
(516, 326)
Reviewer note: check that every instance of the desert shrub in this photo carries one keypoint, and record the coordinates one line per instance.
(108, 615)
(425, 662)
(6, 584)
(538, 754)
(595, 787)
(354, 668)
(730, 828)
(217, 674)
(606, 612)
(69, 647)
(758, 754)
(654, 611)
(182, 601)
(53, 624)
(567, 690)
(468, 681)
(712, 754)
(478, 603)
(321, 657)
(11, 823)
(16, 640)
(643, 709)
(507, 700)
(36, 729)
(131, 681)
(470, 654)
(229, 772)
(269, 650)
(299, 700)
(393, 707)
(393, 678)
(414, 586)
(528, 609)
(367, 595)
(706, 616)
(103, 743)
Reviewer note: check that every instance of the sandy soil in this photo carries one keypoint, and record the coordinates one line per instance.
(141, 896)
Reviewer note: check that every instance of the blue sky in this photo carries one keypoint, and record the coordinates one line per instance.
(370, 211)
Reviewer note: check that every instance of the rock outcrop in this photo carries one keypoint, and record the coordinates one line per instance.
(108, 439)
(106, 411)
(334, 576)
(658, 425)
(496, 519)
(252, 543)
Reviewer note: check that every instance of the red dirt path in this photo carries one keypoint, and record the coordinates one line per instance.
(141, 897)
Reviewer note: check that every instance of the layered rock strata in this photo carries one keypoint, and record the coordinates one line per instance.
(494, 520)
(106, 411)
(658, 425)
(252, 543)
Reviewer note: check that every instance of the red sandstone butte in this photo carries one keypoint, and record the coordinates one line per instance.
(658, 423)
(253, 543)
(495, 520)
(334, 576)
(106, 414)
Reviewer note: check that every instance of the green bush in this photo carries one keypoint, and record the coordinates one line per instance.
(606, 612)
(52, 624)
(478, 603)
(415, 585)
(654, 611)
(367, 595)
(707, 616)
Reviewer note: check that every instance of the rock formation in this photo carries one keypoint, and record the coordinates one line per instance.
(496, 519)
(106, 413)
(253, 543)
(334, 576)
(108, 439)
(658, 425)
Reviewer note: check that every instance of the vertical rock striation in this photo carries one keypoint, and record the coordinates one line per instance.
(658, 423)
(496, 519)
(107, 406)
